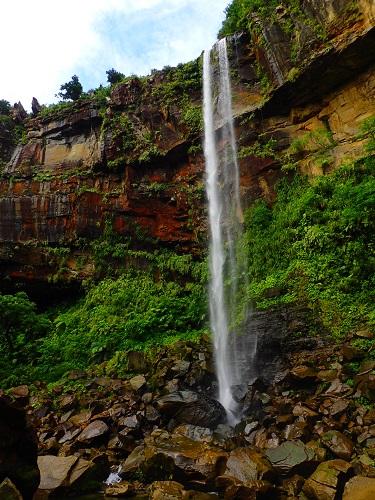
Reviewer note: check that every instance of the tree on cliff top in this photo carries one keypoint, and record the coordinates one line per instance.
(20, 327)
(114, 76)
(71, 90)
(5, 107)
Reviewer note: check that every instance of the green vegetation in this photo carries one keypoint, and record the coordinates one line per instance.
(130, 311)
(179, 81)
(238, 13)
(71, 90)
(317, 244)
(256, 17)
(139, 298)
(114, 76)
(20, 330)
(5, 107)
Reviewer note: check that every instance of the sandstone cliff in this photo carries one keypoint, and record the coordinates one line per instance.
(129, 165)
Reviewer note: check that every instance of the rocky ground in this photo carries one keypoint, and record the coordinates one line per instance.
(152, 422)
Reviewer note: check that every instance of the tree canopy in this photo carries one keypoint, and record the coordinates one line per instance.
(5, 107)
(114, 76)
(71, 90)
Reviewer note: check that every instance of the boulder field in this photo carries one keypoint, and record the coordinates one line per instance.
(150, 427)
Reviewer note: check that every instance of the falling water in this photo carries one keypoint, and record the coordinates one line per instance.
(228, 266)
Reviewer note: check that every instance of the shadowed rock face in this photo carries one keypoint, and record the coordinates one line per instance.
(18, 449)
(129, 165)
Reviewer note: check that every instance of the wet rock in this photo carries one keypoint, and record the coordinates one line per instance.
(299, 430)
(20, 394)
(328, 480)
(327, 375)
(172, 385)
(87, 475)
(172, 490)
(338, 406)
(304, 372)
(61, 473)
(303, 411)
(359, 488)
(292, 458)
(8, 491)
(192, 408)
(101, 382)
(292, 486)
(132, 422)
(199, 495)
(138, 382)
(18, 449)
(247, 465)
(94, 430)
(338, 444)
(239, 392)
(194, 432)
(136, 362)
(365, 379)
(182, 459)
(180, 369)
(351, 353)
(69, 435)
(166, 490)
(230, 488)
(152, 415)
(68, 402)
(42, 411)
(122, 490)
(133, 462)
(369, 418)
(364, 465)
(77, 374)
(54, 471)
(81, 418)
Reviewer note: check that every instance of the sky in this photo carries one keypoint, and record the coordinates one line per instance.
(45, 42)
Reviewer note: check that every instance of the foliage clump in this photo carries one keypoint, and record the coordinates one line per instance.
(238, 14)
(5, 107)
(317, 244)
(71, 90)
(114, 76)
(21, 328)
(131, 310)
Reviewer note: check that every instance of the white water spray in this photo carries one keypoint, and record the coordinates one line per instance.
(228, 266)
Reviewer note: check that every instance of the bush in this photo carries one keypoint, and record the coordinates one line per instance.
(71, 90)
(5, 107)
(20, 328)
(130, 312)
(317, 244)
(114, 76)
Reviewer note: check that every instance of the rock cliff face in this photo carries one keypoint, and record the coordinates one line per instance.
(131, 164)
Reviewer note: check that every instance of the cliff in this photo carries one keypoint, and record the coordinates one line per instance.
(126, 166)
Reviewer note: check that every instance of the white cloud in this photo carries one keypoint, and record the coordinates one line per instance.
(45, 42)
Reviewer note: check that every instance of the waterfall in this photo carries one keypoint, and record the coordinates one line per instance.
(228, 266)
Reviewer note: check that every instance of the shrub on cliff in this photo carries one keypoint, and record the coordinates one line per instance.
(114, 76)
(71, 90)
(130, 312)
(238, 14)
(317, 244)
(5, 107)
(20, 328)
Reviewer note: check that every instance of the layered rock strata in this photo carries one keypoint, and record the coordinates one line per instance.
(133, 162)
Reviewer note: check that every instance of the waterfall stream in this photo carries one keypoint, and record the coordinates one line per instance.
(228, 264)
